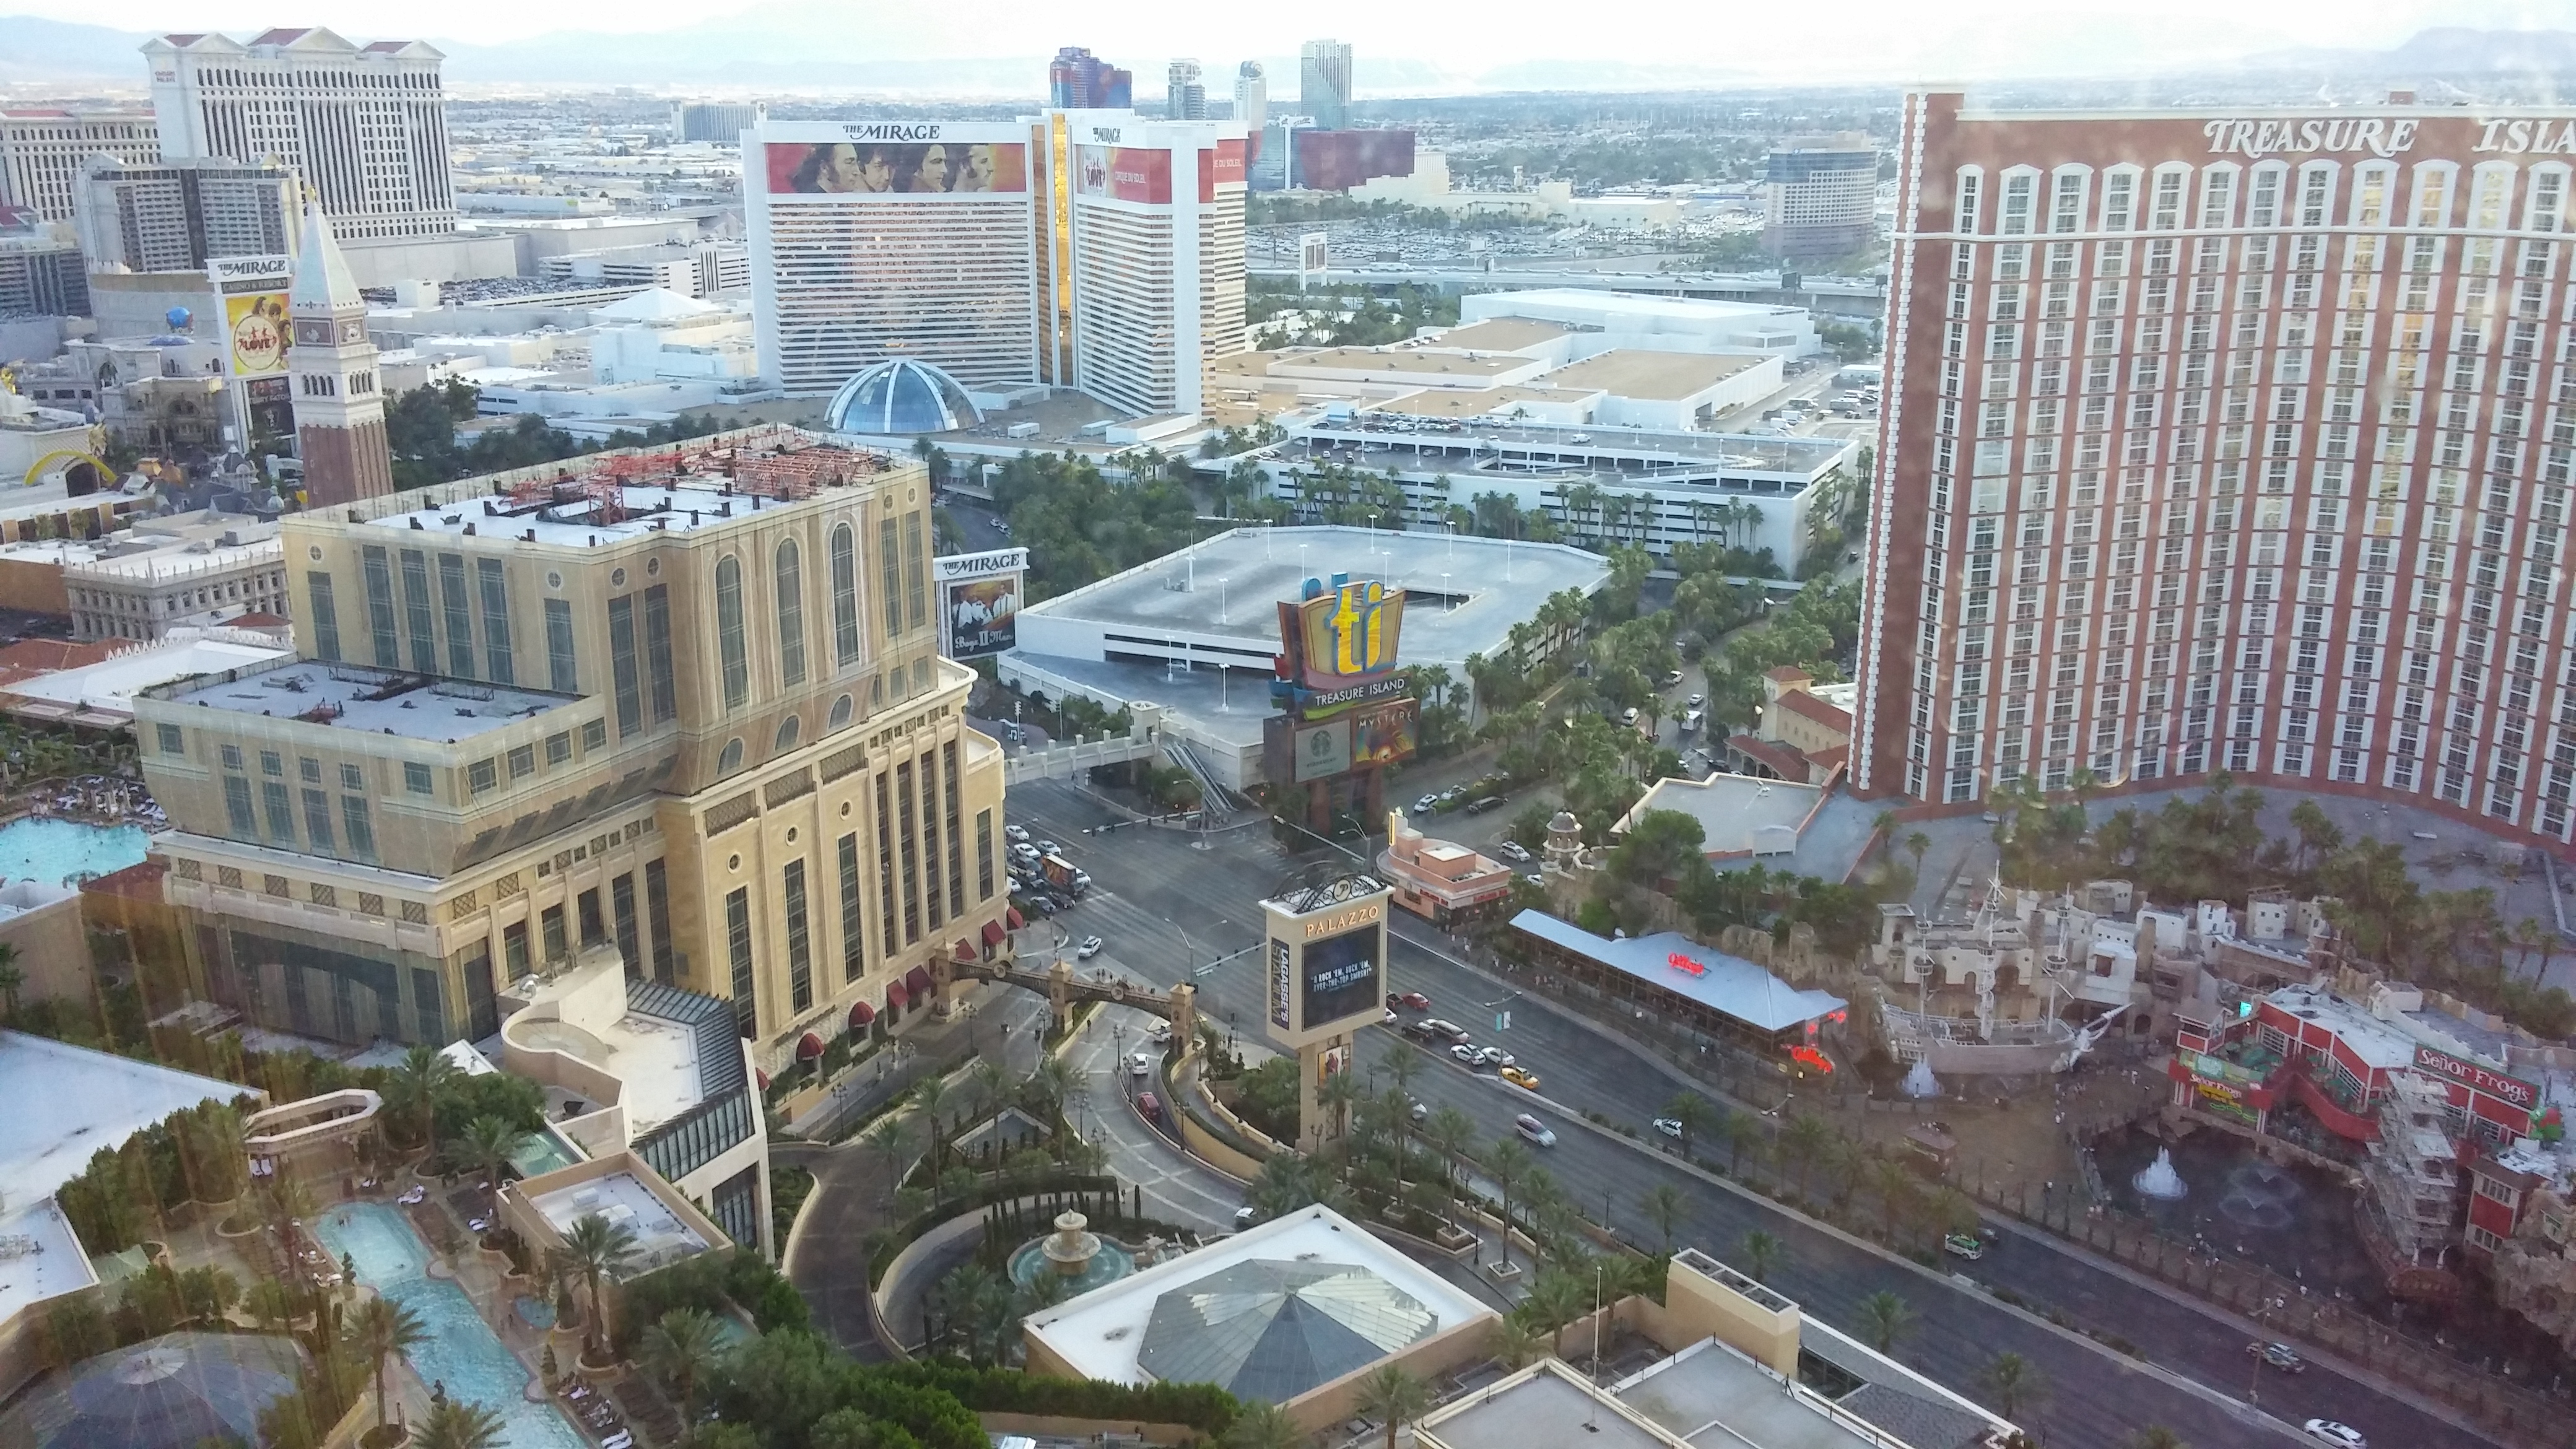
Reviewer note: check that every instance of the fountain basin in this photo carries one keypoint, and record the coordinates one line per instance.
(2159, 1180)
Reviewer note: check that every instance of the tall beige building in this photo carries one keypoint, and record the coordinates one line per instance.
(688, 704)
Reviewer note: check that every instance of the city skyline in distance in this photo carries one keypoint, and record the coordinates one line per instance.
(1640, 44)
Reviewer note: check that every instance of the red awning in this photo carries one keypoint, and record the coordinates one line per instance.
(861, 1014)
(965, 951)
(1015, 918)
(808, 1047)
(764, 1078)
(993, 933)
(896, 996)
(917, 981)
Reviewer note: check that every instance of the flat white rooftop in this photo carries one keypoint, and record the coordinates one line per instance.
(109, 686)
(377, 701)
(67, 1102)
(40, 1256)
(622, 1198)
(1100, 1334)
(656, 1059)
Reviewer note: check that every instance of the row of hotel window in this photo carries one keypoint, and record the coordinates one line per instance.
(2030, 202)
(418, 621)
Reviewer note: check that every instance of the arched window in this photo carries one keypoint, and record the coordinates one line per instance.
(790, 730)
(842, 709)
(791, 615)
(845, 596)
(729, 759)
(729, 647)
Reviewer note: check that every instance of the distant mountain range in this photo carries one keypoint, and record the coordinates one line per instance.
(791, 46)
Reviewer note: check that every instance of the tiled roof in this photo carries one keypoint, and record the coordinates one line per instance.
(1800, 702)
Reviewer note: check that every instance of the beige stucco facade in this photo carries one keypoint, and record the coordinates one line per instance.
(708, 726)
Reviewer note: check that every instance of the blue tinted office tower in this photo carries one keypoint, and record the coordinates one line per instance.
(1324, 83)
(1077, 80)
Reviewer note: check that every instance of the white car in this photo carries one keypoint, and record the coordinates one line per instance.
(1426, 804)
(1016, 834)
(1512, 850)
(1533, 1130)
(2342, 1436)
(1141, 1065)
(1468, 1055)
(1669, 1126)
(1089, 948)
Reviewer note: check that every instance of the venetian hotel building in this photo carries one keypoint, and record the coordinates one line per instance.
(2227, 441)
(687, 703)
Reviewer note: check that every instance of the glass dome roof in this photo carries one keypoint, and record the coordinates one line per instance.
(901, 396)
(178, 1391)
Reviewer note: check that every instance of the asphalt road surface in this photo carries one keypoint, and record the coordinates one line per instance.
(1173, 905)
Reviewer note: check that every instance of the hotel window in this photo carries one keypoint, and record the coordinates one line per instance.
(1965, 223)
(326, 619)
(657, 912)
(621, 910)
(280, 808)
(523, 762)
(2316, 193)
(2167, 212)
(2218, 197)
(789, 575)
(984, 854)
(657, 655)
(317, 820)
(361, 827)
(563, 675)
(559, 748)
(845, 596)
(416, 612)
(2066, 203)
(2015, 217)
(2548, 196)
(237, 805)
(416, 778)
(550, 926)
(2119, 199)
(482, 775)
(730, 649)
(170, 740)
(458, 614)
(916, 582)
(496, 620)
(2433, 196)
(800, 957)
(885, 867)
(738, 950)
(890, 568)
(380, 608)
(623, 673)
(854, 939)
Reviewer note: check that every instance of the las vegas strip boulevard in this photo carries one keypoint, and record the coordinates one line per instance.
(2227, 441)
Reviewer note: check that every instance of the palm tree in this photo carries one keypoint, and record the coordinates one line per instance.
(1259, 1424)
(595, 1248)
(1515, 1343)
(1663, 1206)
(1507, 1163)
(1894, 1183)
(2011, 1381)
(413, 1088)
(890, 1137)
(1696, 1114)
(285, 1202)
(488, 1145)
(11, 978)
(1759, 1250)
(1450, 1132)
(381, 1330)
(929, 1095)
(1743, 1134)
(681, 1350)
(1047, 1084)
(1394, 1396)
(1884, 1315)
(1803, 1141)
(1335, 1096)
(2155, 1436)
(1915, 845)
(456, 1424)
(991, 1086)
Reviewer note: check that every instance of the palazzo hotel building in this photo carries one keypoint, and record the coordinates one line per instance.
(687, 703)
(2227, 440)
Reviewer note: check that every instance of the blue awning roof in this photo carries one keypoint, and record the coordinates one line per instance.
(1726, 984)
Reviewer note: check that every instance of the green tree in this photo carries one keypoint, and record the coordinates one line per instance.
(413, 1087)
(1883, 1317)
(681, 1350)
(1802, 1142)
(2012, 1383)
(1743, 1134)
(2155, 1436)
(1664, 1206)
(595, 1249)
(12, 979)
(1760, 1251)
(1260, 1424)
(1394, 1396)
(455, 1424)
(488, 1146)
(380, 1331)
(1507, 1163)
(1659, 846)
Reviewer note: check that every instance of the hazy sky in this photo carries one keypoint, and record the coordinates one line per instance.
(1780, 41)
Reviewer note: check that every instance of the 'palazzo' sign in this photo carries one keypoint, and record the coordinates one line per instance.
(2477, 1078)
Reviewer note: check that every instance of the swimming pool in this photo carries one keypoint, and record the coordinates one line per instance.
(53, 851)
(459, 1349)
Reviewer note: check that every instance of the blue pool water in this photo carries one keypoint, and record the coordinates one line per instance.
(53, 851)
(460, 1348)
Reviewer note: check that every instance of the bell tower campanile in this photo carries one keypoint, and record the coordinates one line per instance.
(339, 402)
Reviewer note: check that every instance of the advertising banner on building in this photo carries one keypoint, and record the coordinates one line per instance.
(979, 595)
(899, 160)
(1341, 977)
(1124, 173)
(1282, 978)
(1341, 636)
(1222, 166)
(252, 291)
(2476, 1078)
(1323, 750)
(1386, 734)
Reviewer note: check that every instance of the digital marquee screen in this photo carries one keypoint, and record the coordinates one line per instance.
(1341, 976)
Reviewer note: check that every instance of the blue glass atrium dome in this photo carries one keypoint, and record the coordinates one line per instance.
(901, 395)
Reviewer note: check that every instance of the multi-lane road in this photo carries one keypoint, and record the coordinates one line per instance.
(1169, 904)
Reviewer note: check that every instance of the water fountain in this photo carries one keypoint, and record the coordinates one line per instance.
(2158, 1178)
(2260, 1194)
(1919, 1082)
(1077, 1259)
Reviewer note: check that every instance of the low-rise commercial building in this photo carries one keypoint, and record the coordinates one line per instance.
(1691, 989)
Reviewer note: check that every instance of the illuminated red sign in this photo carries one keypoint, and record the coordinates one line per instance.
(1807, 1056)
(1685, 964)
(2477, 1078)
